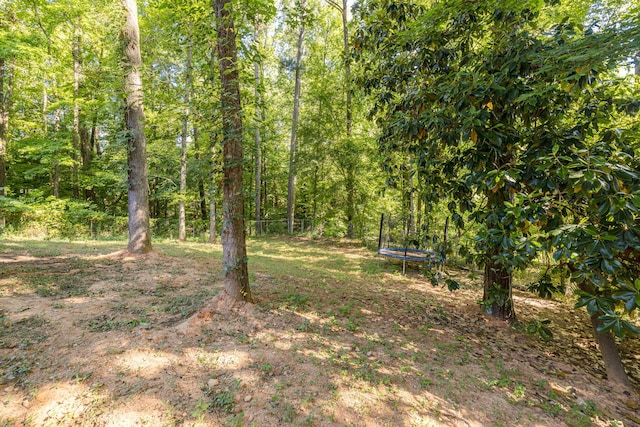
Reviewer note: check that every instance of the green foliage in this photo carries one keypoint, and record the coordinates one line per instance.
(525, 124)
(57, 217)
(544, 287)
(540, 328)
(223, 401)
(37, 40)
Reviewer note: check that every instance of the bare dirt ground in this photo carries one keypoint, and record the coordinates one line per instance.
(89, 336)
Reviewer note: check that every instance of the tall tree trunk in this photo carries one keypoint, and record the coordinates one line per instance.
(350, 173)
(497, 297)
(85, 135)
(258, 137)
(139, 231)
(213, 159)
(637, 64)
(56, 163)
(265, 186)
(5, 99)
(183, 147)
(76, 54)
(347, 68)
(236, 276)
(291, 188)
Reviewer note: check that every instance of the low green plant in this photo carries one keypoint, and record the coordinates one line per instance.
(200, 409)
(305, 326)
(351, 325)
(16, 369)
(222, 401)
(295, 301)
(540, 328)
(346, 310)
(266, 368)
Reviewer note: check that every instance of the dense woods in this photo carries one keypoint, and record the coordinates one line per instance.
(513, 123)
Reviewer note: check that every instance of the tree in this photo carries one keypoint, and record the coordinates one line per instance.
(350, 163)
(491, 111)
(139, 231)
(236, 277)
(183, 146)
(257, 76)
(76, 147)
(291, 193)
(5, 99)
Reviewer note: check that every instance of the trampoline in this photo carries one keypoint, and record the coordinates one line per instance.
(402, 252)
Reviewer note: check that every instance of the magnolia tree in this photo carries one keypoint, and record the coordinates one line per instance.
(524, 123)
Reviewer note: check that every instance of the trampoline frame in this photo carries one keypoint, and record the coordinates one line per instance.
(406, 254)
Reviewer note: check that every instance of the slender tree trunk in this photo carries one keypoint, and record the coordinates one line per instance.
(236, 277)
(82, 134)
(265, 186)
(258, 137)
(350, 173)
(419, 212)
(183, 146)
(347, 68)
(637, 64)
(87, 140)
(213, 159)
(608, 349)
(139, 230)
(76, 54)
(56, 163)
(203, 198)
(291, 188)
(350, 185)
(4, 126)
(314, 212)
(412, 207)
(213, 185)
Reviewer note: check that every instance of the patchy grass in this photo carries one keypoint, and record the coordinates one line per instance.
(337, 337)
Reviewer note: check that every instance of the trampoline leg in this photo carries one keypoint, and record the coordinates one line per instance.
(404, 266)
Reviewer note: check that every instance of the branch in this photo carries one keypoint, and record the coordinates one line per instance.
(334, 4)
(39, 22)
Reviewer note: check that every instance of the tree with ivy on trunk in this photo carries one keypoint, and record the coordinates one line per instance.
(236, 276)
(139, 230)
